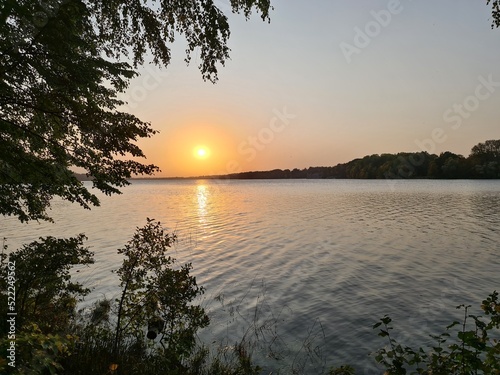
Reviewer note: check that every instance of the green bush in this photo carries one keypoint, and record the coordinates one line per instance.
(36, 352)
(154, 290)
(475, 350)
(45, 300)
(44, 292)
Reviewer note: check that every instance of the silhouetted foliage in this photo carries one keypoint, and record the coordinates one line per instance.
(45, 302)
(43, 281)
(483, 162)
(152, 289)
(474, 350)
(495, 12)
(485, 159)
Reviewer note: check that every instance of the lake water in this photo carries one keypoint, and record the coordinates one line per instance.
(302, 269)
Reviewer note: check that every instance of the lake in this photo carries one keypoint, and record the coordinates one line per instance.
(302, 269)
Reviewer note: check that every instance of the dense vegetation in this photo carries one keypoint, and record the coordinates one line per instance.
(483, 162)
(149, 329)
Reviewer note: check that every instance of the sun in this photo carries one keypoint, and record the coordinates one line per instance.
(201, 152)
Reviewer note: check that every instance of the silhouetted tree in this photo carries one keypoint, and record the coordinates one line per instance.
(495, 4)
(60, 73)
(485, 159)
(484, 162)
(487, 151)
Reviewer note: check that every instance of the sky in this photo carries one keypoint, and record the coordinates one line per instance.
(326, 82)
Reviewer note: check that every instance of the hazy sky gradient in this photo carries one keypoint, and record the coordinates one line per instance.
(289, 97)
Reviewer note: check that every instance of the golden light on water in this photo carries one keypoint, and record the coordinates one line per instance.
(202, 197)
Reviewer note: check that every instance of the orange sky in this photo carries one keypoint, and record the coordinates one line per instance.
(292, 97)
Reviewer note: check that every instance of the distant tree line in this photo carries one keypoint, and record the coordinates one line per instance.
(482, 163)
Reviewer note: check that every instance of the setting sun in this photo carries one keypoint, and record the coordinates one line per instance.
(201, 152)
(198, 148)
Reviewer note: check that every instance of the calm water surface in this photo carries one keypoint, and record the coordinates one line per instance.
(302, 269)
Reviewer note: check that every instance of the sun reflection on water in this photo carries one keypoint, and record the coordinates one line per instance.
(202, 197)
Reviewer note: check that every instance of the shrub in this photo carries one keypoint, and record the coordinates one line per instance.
(156, 300)
(476, 349)
(45, 300)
